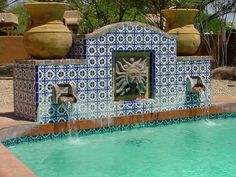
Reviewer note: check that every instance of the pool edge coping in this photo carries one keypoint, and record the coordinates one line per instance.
(34, 128)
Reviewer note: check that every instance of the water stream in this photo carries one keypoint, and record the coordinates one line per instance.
(203, 97)
(142, 113)
(71, 122)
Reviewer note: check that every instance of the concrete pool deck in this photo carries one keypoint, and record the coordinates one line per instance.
(11, 126)
(10, 166)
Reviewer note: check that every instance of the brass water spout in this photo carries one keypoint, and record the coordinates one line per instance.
(195, 84)
(64, 93)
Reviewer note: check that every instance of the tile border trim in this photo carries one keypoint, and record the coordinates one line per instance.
(109, 129)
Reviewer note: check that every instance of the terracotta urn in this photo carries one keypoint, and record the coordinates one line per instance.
(180, 24)
(49, 41)
(47, 37)
(44, 12)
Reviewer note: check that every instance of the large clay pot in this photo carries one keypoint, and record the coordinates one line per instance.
(188, 39)
(180, 24)
(49, 41)
(44, 12)
(47, 38)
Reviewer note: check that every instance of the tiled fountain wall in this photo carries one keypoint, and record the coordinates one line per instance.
(92, 76)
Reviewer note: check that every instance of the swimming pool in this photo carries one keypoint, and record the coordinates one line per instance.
(202, 148)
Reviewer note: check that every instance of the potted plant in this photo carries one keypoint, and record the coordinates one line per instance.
(180, 17)
(47, 37)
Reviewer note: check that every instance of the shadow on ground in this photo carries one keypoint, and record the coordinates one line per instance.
(11, 115)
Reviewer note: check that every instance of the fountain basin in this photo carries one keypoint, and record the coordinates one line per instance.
(140, 143)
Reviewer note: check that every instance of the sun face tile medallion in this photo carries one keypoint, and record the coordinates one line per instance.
(131, 71)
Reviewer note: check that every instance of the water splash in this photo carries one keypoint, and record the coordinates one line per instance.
(142, 114)
(210, 123)
(77, 142)
(206, 106)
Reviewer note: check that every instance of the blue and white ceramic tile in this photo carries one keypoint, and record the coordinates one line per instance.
(93, 80)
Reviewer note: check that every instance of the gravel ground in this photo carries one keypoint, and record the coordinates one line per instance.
(223, 87)
(219, 87)
(6, 93)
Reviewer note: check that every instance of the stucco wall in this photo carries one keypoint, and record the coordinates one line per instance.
(11, 48)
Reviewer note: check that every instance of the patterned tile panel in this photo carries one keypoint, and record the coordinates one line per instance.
(93, 80)
(24, 91)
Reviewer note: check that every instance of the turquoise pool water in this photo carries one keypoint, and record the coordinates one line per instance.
(195, 149)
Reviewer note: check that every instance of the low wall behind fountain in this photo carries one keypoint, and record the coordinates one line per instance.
(104, 57)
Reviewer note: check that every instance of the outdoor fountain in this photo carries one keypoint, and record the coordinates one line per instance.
(117, 71)
(124, 69)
